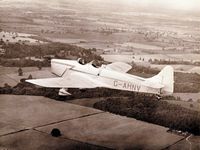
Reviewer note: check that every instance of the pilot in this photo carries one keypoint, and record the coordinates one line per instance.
(94, 64)
(81, 61)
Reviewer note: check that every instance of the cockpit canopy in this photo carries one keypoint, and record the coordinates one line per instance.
(92, 63)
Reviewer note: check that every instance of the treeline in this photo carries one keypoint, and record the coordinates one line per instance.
(173, 62)
(60, 50)
(153, 111)
(23, 63)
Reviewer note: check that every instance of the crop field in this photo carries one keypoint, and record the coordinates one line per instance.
(187, 96)
(10, 75)
(140, 46)
(190, 105)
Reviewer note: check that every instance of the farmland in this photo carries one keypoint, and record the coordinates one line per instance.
(106, 24)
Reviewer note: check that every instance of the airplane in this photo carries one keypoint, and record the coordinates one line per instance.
(77, 74)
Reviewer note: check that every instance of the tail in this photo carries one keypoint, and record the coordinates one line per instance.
(166, 78)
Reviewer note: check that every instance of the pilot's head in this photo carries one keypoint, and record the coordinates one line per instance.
(81, 61)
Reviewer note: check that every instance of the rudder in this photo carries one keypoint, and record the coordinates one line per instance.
(167, 79)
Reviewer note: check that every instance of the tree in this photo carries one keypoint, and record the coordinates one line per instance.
(39, 66)
(20, 72)
(6, 85)
(1, 41)
(30, 77)
(150, 60)
(190, 100)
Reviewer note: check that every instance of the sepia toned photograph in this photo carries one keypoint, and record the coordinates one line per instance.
(99, 75)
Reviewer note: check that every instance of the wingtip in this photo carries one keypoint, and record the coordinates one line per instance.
(32, 81)
(28, 80)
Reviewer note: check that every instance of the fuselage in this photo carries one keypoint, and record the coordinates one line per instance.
(107, 77)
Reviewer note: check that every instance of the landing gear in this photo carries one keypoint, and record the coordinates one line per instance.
(63, 92)
(158, 97)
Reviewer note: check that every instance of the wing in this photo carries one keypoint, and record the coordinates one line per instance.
(71, 80)
(119, 66)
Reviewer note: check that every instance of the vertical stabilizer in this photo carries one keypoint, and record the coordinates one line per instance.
(167, 79)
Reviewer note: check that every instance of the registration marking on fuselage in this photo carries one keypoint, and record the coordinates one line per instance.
(126, 85)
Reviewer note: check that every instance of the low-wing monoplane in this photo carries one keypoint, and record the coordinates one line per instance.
(76, 74)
